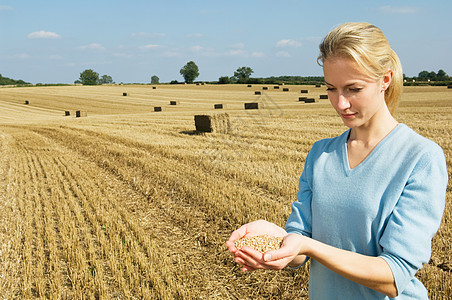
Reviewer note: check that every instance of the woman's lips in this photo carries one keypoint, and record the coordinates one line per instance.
(347, 116)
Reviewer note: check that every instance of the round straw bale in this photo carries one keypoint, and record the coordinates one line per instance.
(257, 92)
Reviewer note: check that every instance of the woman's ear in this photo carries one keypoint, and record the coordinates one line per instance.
(387, 78)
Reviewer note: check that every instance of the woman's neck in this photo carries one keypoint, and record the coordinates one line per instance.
(375, 130)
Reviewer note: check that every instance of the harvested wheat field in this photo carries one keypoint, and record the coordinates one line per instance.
(128, 203)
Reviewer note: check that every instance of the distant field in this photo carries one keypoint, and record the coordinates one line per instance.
(128, 203)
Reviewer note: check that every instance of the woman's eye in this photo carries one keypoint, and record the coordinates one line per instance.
(330, 89)
(356, 89)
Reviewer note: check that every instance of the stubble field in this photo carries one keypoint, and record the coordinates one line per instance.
(128, 203)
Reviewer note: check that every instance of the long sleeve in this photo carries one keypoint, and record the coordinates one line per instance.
(416, 217)
(299, 220)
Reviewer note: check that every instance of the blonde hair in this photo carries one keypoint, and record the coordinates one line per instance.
(368, 47)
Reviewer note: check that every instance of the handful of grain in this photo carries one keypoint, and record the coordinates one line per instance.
(261, 243)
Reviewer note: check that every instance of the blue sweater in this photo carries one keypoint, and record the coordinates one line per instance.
(389, 206)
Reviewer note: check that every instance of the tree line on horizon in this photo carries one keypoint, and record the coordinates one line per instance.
(190, 71)
(242, 75)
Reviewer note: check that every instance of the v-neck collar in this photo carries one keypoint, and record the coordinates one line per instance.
(345, 160)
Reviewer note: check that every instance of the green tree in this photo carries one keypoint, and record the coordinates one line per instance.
(243, 74)
(190, 72)
(155, 79)
(423, 75)
(105, 79)
(441, 75)
(89, 77)
(224, 80)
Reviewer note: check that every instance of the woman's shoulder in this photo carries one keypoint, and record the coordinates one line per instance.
(413, 141)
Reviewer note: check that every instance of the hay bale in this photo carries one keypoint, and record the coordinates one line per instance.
(257, 93)
(309, 100)
(157, 108)
(302, 98)
(276, 87)
(265, 88)
(154, 87)
(323, 96)
(252, 105)
(449, 86)
(174, 102)
(249, 85)
(27, 102)
(285, 89)
(218, 106)
(317, 85)
(80, 113)
(219, 123)
(67, 113)
(124, 94)
(304, 91)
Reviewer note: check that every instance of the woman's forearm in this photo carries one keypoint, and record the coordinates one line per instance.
(372, 272)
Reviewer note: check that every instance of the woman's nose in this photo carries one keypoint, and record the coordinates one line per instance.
(342, 102)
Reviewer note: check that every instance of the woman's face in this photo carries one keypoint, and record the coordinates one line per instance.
(357, 98)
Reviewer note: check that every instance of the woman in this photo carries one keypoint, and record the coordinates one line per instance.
(369, 200)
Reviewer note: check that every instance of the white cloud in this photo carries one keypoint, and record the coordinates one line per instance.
(15, 56)
(122, 55)
(93, 46)
(173, 54)
(149, 47)
(236, 52)
(147, 35)
(196, 48)
(55, 57)
(43, 35)
(238, 45)
(21, 56)
(399, 9)
(195, 35)
(5, 7)
(283, 54)
(288, 43)
(258, 54)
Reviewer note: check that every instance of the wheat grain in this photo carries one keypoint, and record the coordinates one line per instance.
(261, 243)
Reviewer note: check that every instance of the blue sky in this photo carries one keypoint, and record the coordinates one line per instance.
(54, 41)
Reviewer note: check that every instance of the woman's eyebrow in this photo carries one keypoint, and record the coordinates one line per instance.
(347, 85)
